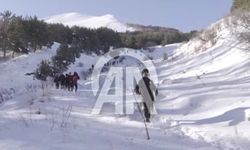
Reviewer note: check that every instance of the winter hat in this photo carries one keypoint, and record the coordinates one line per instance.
(145, 71)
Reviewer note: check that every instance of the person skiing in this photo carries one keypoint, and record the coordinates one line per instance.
(146, 88)
(75, 79)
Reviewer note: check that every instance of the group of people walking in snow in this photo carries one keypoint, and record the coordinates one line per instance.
(67, 81)
(145, 87)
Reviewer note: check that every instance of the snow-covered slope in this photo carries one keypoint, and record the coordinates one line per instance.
(205, 87)
(203, 97)
(219, 31)
(76, 19)
(13, 71)
(43, 118)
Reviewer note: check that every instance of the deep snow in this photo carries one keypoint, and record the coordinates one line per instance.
(201, 105)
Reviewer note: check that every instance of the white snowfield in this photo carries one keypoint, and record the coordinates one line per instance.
(13, 71)
(201, 105)
(93, 22)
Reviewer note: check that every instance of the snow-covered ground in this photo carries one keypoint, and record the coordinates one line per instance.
(206, 94)
(93, 22)
(13, 72)
(202, 104)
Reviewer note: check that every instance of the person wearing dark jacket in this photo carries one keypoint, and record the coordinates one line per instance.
(146, 88)
(57, 82)
(62, 80)
(66, 81)
(75, 79)
(69, 81)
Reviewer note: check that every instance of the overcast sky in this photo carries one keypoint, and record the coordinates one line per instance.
(184, 15)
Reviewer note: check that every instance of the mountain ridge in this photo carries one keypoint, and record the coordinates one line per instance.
(77, 19)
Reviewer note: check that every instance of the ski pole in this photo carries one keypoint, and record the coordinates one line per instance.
(144, 120)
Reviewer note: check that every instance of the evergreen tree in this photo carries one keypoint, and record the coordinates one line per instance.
(6, 18)
(37, 33)
(17, 36)
(64, 57)
(108, 38)
(44, 70)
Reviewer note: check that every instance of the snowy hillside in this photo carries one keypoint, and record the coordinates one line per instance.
(43, 118)
(76, 19)
(202, 104)
(13, 71)
(220, 31)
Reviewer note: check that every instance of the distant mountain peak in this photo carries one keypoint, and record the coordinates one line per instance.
(77, 19)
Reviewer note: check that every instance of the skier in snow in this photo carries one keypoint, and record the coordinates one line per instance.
(146, 88)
